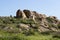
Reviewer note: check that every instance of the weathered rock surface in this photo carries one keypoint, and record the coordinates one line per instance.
(20, 14)
(23, 26)
(45, 23)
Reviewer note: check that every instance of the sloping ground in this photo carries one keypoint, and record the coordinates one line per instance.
(29, 25)
(20, 36)
(19, 24)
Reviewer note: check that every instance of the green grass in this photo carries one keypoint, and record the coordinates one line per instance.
(19, 36)
(15, 34)
(33, 37)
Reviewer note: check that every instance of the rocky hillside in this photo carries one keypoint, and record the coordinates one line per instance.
(29, 21)
(41, 21)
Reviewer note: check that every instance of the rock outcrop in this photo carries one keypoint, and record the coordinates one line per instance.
(45, 23)
(30, 14)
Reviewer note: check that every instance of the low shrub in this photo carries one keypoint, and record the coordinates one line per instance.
(56, 36)
(30, 32)
(49, 19)
(58, 26)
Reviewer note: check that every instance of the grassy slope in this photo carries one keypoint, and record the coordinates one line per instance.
(12, 22)
(8, 36)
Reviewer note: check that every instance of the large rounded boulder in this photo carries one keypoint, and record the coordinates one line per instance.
(20, 14)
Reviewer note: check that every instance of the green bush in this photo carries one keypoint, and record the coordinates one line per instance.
(27, 21)
(58, 26)
(49, 19)
(2, 26)
(30, 32)
(7, 22)
(45, 33)
(56, 36)
(34, 26)
(52, 25)
(10, 38)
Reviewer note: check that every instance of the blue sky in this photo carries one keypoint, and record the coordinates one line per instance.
(48, 7)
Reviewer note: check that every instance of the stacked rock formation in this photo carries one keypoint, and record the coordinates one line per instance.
(29, 14)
